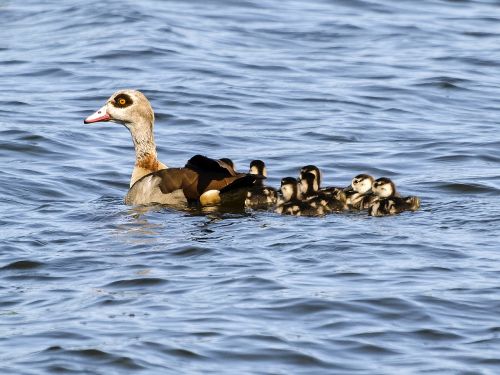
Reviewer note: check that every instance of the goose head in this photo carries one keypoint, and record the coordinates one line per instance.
(132, 109)
(128, 107)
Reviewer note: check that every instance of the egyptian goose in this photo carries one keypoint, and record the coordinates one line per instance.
(201, 180)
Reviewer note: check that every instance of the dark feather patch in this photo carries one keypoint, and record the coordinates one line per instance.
(243, 182)
(208, 165)
(122, 100)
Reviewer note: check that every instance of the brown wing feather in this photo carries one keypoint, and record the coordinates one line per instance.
(208, 165)
(199, 175)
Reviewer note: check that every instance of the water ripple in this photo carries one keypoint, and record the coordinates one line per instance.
(396, 89)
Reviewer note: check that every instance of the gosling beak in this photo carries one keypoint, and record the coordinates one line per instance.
(100, 115)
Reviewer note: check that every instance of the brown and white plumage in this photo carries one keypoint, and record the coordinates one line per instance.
(332, 198)
(151, 181)
(291, 204)
(359, 194)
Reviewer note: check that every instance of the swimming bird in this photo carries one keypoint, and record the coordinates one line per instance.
(290, 204)
(334, 199)
(316, 185)
(359, 194)
(313, 170)
(201, 180)
(384, 187)
(260, 196)
(389, 202)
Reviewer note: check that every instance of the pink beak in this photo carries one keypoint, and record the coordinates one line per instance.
(100, 115)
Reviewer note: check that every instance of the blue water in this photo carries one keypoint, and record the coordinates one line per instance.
(409, 90)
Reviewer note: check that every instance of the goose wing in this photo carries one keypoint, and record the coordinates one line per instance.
(179, 185)
(163, 186)
(212, 174)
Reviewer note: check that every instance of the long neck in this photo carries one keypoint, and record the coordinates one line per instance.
(146, 160)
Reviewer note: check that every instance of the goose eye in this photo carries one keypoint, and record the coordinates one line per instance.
(122, 100)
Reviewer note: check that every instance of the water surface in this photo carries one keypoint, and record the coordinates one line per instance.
(407, 90)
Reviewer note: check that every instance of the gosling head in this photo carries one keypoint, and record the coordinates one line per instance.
(384, 188)
(308, 184)
(258, 167)
(128, 107)
(362, 183)
(289, 188)
(228, 161)
(311, 169)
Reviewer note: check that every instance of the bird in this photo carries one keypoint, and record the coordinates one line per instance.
(384, 187)
(201, 181)
(332, 198)
(389, 202)
(290, 204)
(316, 186)
(359, 194)
(260, 196)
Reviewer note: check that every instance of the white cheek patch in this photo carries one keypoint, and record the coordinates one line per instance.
(254, 170)
(380, 190)
(315, 185)
(287, 192)
(302, 186)
(365, 186)
(385, 191)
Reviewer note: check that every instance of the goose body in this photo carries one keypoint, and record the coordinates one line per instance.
(200, 180)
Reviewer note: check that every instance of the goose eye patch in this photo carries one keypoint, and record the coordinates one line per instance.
(122, 101)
